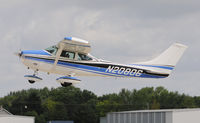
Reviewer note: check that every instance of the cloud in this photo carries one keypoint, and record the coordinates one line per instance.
(121, 31)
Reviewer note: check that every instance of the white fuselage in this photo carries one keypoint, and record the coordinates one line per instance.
(44, 61)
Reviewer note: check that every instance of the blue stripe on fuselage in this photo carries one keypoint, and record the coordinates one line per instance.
(73, 66)
(36, 52)
(97, 70)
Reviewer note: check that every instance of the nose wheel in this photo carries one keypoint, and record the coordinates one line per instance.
(33, 78)
(31, 81)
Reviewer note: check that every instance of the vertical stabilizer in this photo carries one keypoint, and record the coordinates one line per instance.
(169, 57)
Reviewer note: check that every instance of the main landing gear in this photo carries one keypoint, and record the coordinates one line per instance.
(66, 81)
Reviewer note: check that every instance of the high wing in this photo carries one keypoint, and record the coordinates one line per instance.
(75, 45)
(72, 44)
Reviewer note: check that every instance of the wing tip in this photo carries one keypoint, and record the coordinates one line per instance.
(68, 38)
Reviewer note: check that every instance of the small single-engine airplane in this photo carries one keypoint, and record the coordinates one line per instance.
(71, 57)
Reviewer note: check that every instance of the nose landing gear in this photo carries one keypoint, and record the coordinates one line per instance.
(65, 84)
(33, 78)
(31, 81)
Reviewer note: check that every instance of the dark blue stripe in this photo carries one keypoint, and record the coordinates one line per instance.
(73, 66)
(94, 69)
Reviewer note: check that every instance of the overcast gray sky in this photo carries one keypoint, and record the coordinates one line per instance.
(119, 30)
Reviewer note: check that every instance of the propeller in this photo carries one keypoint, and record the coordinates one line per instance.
(18, 53)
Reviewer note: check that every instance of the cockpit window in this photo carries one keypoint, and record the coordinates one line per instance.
(53, 50)
(83, 57)
(67, 54)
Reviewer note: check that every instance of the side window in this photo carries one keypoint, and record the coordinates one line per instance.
(67, 54)
(83, 57)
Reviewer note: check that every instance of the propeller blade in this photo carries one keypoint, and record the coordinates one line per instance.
(18, 53)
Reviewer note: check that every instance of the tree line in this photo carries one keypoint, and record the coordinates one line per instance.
(83, 106)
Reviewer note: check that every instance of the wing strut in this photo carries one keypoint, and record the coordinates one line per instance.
(61, 46)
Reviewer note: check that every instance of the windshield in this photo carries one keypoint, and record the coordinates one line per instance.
(52, 49)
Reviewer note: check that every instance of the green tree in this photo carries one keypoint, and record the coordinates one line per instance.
(84, 106)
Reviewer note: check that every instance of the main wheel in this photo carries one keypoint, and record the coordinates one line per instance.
(31, 81)
(66, 84)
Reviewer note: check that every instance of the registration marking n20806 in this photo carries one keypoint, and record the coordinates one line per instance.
(124, 71)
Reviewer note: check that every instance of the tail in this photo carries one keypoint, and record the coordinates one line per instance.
(169, 57)
(165, 62)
